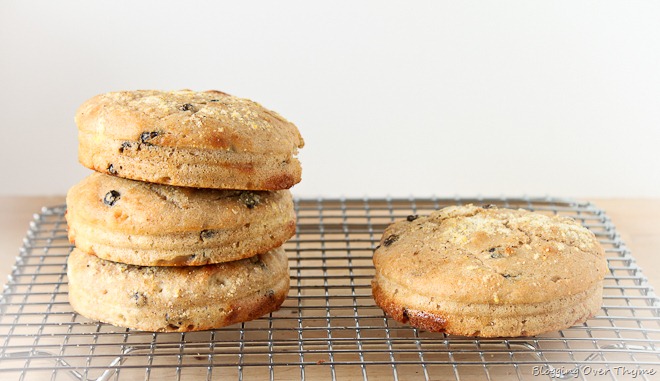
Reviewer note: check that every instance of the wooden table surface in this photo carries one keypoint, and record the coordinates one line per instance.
(636, 220)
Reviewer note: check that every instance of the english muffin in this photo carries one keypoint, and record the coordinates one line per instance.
(186, 138)
(150, 224)
(486, 271)
(150, 298)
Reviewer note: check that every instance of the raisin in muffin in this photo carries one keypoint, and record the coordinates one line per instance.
(196, 139)
(147, 224)
(485, 271)
(150, 298)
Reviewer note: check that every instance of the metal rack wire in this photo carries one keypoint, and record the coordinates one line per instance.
(329, 327)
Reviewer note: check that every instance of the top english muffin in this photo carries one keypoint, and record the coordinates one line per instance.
(206, 139)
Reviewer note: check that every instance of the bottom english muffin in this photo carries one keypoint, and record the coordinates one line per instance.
(186, 298)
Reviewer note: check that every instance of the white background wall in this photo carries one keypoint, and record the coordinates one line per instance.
(393, 98)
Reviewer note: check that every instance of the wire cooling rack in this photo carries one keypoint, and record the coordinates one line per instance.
(329, 327)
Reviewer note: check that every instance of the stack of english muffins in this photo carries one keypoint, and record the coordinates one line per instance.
(181, 227)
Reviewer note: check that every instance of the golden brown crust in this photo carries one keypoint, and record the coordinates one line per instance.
(430, 270)
(158, 225)
(185, 138)
(177, 298)
(408, 315)
(485, 320)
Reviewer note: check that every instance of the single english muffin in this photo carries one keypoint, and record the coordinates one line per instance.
(196, 139)
(147, 224)
(486, 271)
(182, 299)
